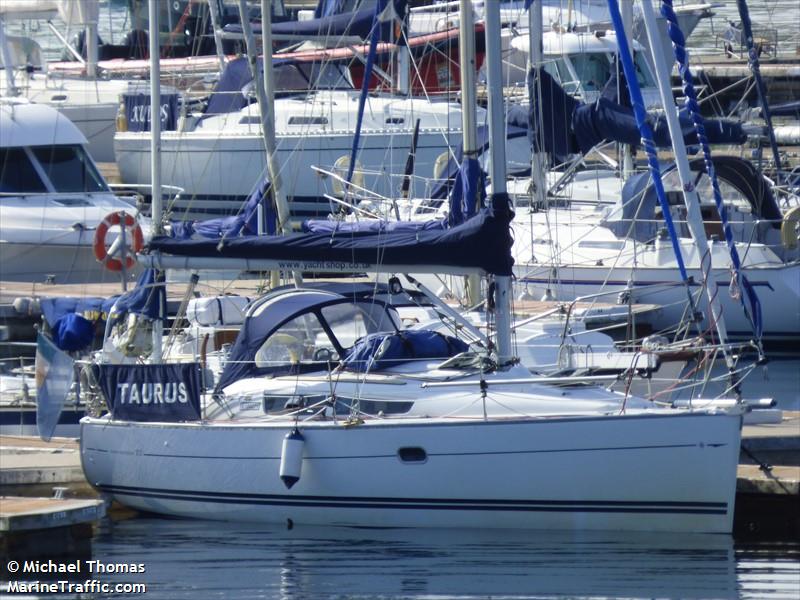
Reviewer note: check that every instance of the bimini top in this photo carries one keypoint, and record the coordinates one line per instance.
(24, 124)
(303, 330)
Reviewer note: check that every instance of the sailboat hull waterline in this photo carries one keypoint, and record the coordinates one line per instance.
(674, 472)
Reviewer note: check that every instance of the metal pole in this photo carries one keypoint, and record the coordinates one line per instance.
(469, 129)
(535, 60)
(213, 11)
(494, 81)
(626, 7)
(693, 217)
(264, 94)
(8, 67)
(155, 149)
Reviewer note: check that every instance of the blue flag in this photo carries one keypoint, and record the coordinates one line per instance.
(54, 374)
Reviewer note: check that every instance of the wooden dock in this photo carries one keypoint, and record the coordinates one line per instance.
(47, 527)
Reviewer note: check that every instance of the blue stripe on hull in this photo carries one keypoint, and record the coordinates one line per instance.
(607, 506)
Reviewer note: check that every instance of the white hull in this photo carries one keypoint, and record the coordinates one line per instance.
(68, 263)
(674, 472)
(203, 165)
(778, 290)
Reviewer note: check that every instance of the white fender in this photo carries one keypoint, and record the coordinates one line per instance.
(292, 458)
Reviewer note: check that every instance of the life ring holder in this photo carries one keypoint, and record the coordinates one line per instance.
(122, 219)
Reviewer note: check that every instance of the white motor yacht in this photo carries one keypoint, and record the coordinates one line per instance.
(53, 199)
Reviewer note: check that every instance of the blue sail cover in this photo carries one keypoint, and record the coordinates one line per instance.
(571, 126)
(468, 193)
(245, 223)
(607, 120)
(483, 242)
(148, 298)
(228, 95)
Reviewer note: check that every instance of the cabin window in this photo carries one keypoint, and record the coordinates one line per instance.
(69, 169)
(395, 120)
(593, 70)
(344, 405)
(299, 341)
(559, 71)
(308, 120)
(17, 173)
(349, 322)
(643, 74)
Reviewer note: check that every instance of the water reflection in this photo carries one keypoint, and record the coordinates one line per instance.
(254, 561)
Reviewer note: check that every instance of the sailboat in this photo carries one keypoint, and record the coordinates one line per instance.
(518, 454)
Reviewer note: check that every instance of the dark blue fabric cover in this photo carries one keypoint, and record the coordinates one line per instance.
(571, 126)
(468, 193)
(483, 242)
(379, 351)
(55, 308)
(72, 332)
(227, 95)
(607, 120)
(137, 111)
(156, 393)
(787, 109)
(556, 109)
(148, 298)
(245, 223)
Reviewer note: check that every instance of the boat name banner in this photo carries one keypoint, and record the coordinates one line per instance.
(159, 392)
(137, 111)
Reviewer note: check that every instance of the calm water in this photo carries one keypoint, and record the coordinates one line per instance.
(210, 560)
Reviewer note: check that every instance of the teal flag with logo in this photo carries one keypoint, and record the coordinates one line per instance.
(54, 375)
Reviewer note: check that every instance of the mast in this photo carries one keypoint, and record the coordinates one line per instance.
(535, 59)
(155, 151)
(7, 66)
(265, 103)
(213, 11)
(627, 22)
(469, 129)
(494, 83)
(690, 198)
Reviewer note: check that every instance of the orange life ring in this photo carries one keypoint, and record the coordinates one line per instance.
(133, 233)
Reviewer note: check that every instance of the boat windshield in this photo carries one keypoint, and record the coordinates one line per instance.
(643, 73)
(593, 70)
(17, 173)
(310, 76)
(69, 169)
(304, 340)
